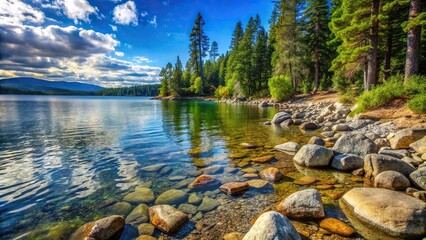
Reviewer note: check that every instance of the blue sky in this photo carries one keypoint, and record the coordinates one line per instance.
(110, 42)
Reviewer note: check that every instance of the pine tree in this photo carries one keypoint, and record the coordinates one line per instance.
(198, 48)
(176, 78)
(214, 51)
(414, 28)
(317, 18)
(288, 54)
(237, 36)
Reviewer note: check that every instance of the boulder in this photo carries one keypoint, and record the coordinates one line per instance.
(288, 147)
(272, 226)
(376, 163)
(120, 208)
(311, 155)
(286, 123)
(328, 134)
(393, 212)
(391, 180)
(138, 215)
(141, 195)
(317, 141)
(204, 181)
(341, 127)
(418, 178)
(280, 117)
(271, 174)
(170, 197)
(338, 227)
(419, 145)
(263, 104)
(405, 137)
(354, 143)
(303, 204)
(395, 153)
(263, 159)
(308, 126)
(167, 218)
(102, 229)
(234, 188)
(344, 162)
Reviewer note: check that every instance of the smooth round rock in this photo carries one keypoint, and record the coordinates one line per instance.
(391, 180)
(170, 197)
(303, 204)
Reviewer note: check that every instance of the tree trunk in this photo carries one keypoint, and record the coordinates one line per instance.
(388, 55)
(365, 73)
(413, 42)
(374, 39)
(317, 59)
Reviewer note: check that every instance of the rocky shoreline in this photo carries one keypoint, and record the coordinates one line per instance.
(388, 163)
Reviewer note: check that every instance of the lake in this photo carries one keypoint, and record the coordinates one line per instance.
(69, 160)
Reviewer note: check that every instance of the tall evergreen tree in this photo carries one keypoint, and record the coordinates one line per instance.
(214, 51)
(317, 18)
(414, 28)
(198, 48)
(237, 35)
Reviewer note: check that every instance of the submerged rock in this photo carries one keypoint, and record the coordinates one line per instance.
(338, 227)
(288, 147)
(138, 215)
(141, 195)
(215, 169)
(306, 180)
(391, 180)
(233, 236)
(405, 137)
(153, 168)
(272, 226)
(271, 174)
(146, 229)
(208, 204)
(311, 155)
(303, 204)
(167, 218)
(204, 181)
(120, 208)
(263, 159)
(257, 183)
(376, 163)
(102, 229)
(395, 213)
(188, 208)
(234, 188)
(170, 197)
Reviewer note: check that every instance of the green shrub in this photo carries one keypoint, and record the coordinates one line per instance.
(348, 97)
(416, 85)
(281, 88)
(221, 92)
(418, 103)
(380, 95)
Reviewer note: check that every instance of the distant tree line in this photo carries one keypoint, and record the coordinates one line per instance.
(141, 90)
(353, 46)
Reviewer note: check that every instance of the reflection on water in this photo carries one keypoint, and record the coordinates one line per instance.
(69, 158)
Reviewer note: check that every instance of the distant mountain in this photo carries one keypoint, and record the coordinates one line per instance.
(39, 85)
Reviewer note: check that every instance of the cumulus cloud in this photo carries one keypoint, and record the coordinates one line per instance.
(66, 53)
(77, 9)
(141, 59)
(18, 12)
(144, 13)
(126, 14)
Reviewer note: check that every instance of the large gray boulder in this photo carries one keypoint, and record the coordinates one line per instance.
(395, 213)
(311, 155)
(355, 143)
(344, 162)
(272, 226)
(377, 163)
(418, 177)
(405, 137)
(280, 117)
(303, 204)
(391, 180)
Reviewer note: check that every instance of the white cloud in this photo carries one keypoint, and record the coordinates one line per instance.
(126, 14)
(113, 27)
(119, 54)
(77, 9)
(144, 14)
(18, 12)
(153, 22)
(141, 59)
